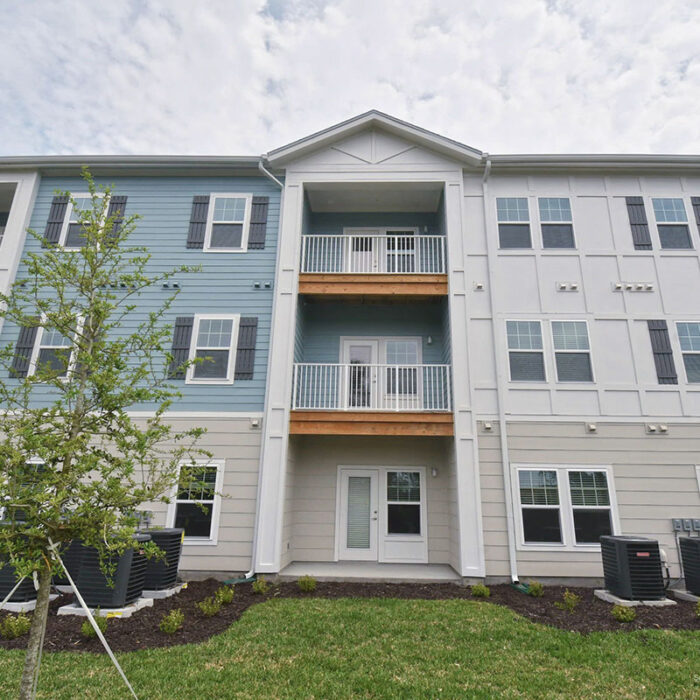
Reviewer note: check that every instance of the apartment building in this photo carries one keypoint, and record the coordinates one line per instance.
(448, 364)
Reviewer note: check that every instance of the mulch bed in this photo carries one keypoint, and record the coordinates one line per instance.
(141, 630)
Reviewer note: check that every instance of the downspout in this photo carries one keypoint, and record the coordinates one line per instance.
(501, 388)
(249, 575)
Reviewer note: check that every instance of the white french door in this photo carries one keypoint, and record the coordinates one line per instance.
(362, 254)
(359, 513)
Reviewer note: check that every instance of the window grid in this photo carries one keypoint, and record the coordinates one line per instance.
(230, 210)
(669, 209)
(524, 335)
(570, 335)
(589, 489)
(200, 485)
(401, 352)
(555, 210)
(403, 487)
(538, 488)
(512, 210)
(214, 333)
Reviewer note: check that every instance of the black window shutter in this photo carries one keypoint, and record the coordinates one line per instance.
(117, 205)
(638, 223)
(663, 355)
(182, 337)
(258, 223)
(23, 351)
(198, 221)
(245, 354)
(54, 224)
(695, 202)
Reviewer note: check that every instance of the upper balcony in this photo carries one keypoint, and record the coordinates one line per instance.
(373, 240)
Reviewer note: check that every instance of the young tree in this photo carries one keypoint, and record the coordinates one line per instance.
(75, 464)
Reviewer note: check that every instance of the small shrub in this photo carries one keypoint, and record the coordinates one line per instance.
(172, 622)
(261, 586)
(88, 631)
(623, 614)
(535, 589)
(569, 601)
(225, 595)
(14, 626)
(209, 606)
(307, 584)
(480, 591)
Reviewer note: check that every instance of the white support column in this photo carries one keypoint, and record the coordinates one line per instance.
(471, 554)
(273, 460)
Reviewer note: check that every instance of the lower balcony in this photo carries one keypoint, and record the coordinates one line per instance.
(371, 399)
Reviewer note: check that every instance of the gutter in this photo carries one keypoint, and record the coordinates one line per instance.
(249, 575)
(500, 380)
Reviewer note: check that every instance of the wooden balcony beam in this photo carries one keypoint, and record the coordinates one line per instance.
(372, 285)
(370, 423)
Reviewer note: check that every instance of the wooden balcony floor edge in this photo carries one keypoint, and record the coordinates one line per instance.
(370, 423)
(342, 284)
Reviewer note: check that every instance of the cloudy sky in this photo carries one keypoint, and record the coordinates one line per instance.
(246, 76)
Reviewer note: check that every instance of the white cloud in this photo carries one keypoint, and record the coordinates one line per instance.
(243, 77)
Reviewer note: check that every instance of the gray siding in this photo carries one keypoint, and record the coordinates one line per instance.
(654, 478)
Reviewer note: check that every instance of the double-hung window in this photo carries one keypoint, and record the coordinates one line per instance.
(525, 352)
(53, 352)
(228, 223)
(73, 233)
(556, 222)
(564, 506)
(572, 351)
(403, 503)
(689, 336)
(195, 507)
(513, 222)
(212, 349)
(672, 222)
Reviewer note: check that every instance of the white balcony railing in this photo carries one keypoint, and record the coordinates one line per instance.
(355, 387)
(367, 254)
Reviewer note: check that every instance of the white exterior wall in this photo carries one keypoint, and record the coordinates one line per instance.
(525, 287)
(12, 244)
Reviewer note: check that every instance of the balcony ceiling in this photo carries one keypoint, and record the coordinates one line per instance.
(374, 197)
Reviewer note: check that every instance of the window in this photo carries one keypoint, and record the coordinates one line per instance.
(539, 502)
(590, 505)
(402, 380)
(55, 352)
(229, 219)
(525, 355)
(214, 342)
(195, 507)
(556, 222)
(403, 499)
(513, 222)
(564, 506)
(572, 351)
(689, 336)
(672, 223)
(72, 235)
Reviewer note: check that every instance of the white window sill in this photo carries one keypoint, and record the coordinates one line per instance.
(558, 548)
(200, 542)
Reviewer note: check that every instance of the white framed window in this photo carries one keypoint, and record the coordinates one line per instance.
(564, 507)
(53, 351)
(214, 340)
(228, 222)
(402, 381)
(672, 222)
(513, 216)
(71, 237)
(572, 352)
(404, 503)
(689, 337)
(525, 351)
(196, 502)
(556, 222)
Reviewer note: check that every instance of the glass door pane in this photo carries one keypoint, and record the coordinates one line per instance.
(359, 504)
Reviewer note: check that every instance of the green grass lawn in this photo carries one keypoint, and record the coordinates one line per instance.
(384, 649)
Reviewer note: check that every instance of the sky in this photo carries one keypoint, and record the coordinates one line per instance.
(242, 77)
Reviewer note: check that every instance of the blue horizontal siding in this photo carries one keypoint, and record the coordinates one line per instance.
(224, 285)
(324, 324)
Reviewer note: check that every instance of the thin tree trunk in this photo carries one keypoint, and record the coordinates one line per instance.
(36, 634)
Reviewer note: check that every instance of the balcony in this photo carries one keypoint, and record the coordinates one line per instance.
(371, 399)
(372, 264)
